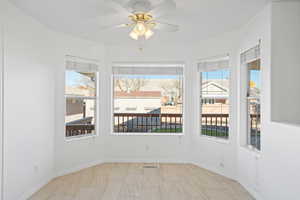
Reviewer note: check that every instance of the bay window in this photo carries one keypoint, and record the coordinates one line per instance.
(81, 98)
(214, 97)
(148, 99)
(252, 66)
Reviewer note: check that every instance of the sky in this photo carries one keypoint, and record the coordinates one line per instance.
(218, 74)
(73, 78)
(255, 77)
(224, 74)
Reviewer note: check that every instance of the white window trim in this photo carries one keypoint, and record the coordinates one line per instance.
(151, 64)
(198, 106)
(96, 98)
(243, 118)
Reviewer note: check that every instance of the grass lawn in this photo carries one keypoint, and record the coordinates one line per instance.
(215, 133)
(167, 130)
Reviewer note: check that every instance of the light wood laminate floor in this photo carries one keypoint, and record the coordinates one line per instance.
(138, 181)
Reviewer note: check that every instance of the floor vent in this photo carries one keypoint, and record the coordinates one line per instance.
(150, 166)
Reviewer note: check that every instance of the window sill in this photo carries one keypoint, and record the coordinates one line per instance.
(76, 138)
(147, 134)
(215, 139)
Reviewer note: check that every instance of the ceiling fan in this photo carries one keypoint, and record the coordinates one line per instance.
(143, 15)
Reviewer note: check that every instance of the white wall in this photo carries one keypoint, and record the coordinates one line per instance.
(249, 171)
(33, 54)
(34, 86)
(75, 154)
(29, 104)
(1, 95)
(273, 173)
(188, 148)
(280, 142)
(35, 146)
(72, 155)
(217, 155)
(285, 62)
(144, 148)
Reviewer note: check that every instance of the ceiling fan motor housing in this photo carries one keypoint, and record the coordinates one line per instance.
(141, 17)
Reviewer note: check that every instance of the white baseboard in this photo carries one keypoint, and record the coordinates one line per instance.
(77, 168)
(254, 193)
(36, 188)
(84, 166)
(143, 160)
(45, 181)
(215, 170)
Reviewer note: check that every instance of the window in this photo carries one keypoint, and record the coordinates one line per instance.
(150, 99)
(251, 61)
(214, 97)
(81, 98)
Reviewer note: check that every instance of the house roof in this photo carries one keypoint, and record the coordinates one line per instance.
(138, 94)
(224, 84)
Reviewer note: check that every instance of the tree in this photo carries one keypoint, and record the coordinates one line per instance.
(129, 84)
(173, 89)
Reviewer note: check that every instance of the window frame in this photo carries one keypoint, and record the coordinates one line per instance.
(96, 103)
(199, 112)
(249, 97)
(149, 64)
(243, 120)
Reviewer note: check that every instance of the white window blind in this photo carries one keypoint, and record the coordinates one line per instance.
(81, 66)
(219, 63)
(250, 55)
(148, 69)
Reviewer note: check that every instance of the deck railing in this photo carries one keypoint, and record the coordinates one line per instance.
(216, 125)
(80, 127)
(148, 122)
(255, 131)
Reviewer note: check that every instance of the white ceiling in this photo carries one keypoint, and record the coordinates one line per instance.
(198, 19)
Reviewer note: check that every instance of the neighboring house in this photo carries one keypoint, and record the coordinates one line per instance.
(137, 102)
(77, 108)
(215, 95)
(215, 91)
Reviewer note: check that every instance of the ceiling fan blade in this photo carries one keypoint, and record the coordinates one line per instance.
(103, 28)
(163, 8)
(118, 6)
(165, 27)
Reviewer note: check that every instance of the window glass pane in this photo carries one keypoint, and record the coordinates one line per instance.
(254, 122)
(253, 101)
(148, 103)
(80, 116)
(215, 103)
(80, 83)
(254, 83)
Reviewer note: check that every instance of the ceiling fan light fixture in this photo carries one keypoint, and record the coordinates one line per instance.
(140, 28)
(134, 35)
(148, 34)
